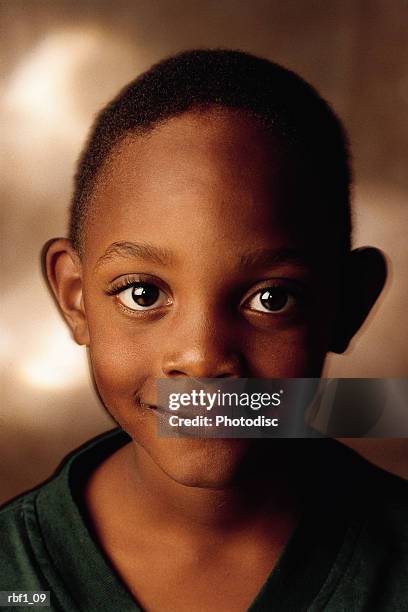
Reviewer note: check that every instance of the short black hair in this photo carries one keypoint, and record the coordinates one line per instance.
(234, 79)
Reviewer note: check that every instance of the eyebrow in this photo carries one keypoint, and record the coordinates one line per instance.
(162, 256)
(267, 257)
(139, 250)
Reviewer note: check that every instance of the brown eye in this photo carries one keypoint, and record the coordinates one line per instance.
(143, 296)
(271, 299)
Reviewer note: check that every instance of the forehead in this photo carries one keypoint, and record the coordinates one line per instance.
(214, 174)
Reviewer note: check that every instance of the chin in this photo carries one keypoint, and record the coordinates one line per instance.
(203, 463)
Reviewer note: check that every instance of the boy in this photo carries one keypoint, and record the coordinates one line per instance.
(210, 237)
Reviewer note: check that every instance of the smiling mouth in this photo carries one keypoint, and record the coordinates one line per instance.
(154, 408)
(162, 411)
(149, 407)
(146, 405)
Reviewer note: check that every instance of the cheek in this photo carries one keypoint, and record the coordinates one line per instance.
(296, 352)
(121, 362)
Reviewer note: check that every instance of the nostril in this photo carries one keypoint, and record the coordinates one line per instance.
(176, 374)
(213, 379)
(226, 375)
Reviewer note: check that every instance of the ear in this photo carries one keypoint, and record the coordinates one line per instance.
(364, 278)
(62, 271)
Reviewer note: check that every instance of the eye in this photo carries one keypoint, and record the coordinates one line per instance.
(143, 296)
(271, 300)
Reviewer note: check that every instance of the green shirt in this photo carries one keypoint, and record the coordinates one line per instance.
(348, 553)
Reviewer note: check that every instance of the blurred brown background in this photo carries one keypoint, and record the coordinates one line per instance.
(62, 60)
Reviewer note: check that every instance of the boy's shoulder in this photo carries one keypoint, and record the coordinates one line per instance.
(372, 564)
(365, 485)
(387, 505)
(42, 529)
(18, 569)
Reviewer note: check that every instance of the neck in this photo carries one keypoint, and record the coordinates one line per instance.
(258, 498)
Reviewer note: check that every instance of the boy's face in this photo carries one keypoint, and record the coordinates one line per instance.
(195, 265)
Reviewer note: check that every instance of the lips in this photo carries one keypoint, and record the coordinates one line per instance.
(166, 412)
(147, 406)
(154, 408)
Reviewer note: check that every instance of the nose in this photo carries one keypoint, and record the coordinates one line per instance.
(203, 348)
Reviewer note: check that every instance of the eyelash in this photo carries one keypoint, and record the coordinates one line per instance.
(125, 283)
(297, 294)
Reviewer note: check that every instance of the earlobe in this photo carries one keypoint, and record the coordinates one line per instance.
(364, 278)
(62, 271)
